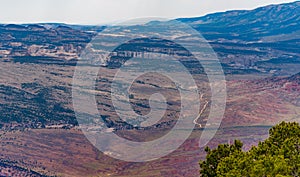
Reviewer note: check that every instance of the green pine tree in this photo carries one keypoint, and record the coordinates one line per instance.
(278, 156)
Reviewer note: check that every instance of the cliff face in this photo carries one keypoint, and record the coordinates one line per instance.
(35, 40)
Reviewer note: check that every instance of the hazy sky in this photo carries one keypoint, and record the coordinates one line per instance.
(105, 11)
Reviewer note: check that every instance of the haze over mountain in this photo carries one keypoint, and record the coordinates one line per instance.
(107, 12)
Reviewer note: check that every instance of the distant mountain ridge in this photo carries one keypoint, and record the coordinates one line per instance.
(258, 40)
(264, 21)
(285, 10)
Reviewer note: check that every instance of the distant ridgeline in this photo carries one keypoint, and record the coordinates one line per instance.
(245, 40)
